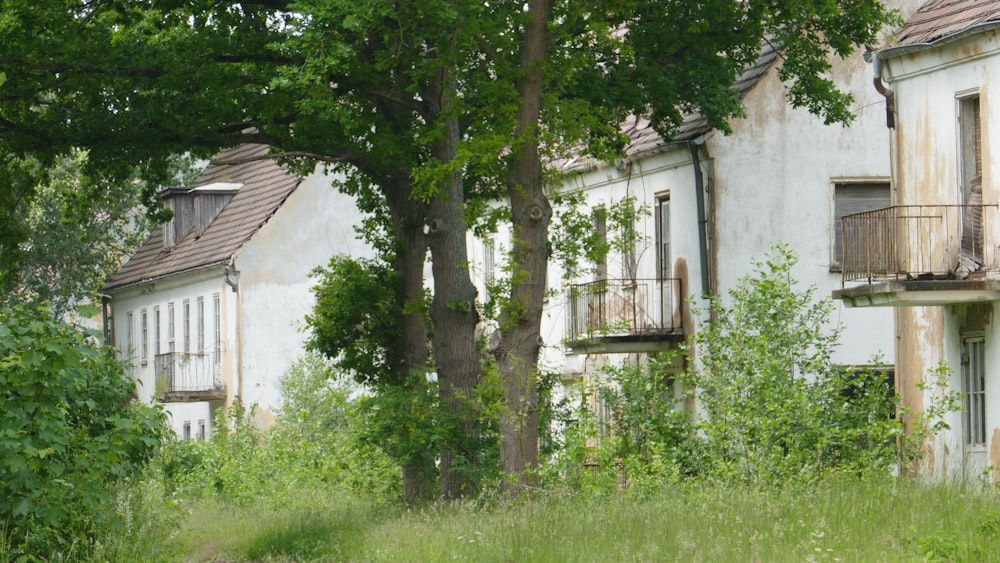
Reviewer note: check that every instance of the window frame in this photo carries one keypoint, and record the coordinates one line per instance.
(664, 258)
(974, 402)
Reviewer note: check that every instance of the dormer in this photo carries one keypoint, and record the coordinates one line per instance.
(194, 208)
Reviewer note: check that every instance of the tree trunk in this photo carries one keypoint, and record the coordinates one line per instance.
(453, 310)
(520, 343)
(411, 360)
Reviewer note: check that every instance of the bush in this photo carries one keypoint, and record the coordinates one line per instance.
(317, 443)
(775, 406)
(70, 433)
(637, 440)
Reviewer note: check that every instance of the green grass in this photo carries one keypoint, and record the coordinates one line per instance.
(834, 521)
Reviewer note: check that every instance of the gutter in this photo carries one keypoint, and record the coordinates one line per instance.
(235, 286)
(889, 95)
(699, 185)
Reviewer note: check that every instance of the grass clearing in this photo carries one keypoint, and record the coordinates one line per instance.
(841, 520)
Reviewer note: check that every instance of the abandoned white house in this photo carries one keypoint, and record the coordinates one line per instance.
(932, 255)
(716, 202)
(208, 310)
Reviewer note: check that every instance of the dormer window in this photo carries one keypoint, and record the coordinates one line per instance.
(194, 208)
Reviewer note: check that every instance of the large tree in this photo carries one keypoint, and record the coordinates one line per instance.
(433, 101)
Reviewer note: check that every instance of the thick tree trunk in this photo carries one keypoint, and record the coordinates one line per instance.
(519, 347)
(411, 359)
(453, 310)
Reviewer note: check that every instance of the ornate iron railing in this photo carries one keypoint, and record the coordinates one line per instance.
(917, 241)
(624, 308)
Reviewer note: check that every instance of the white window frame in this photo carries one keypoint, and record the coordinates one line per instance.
(144, 335)
(664, 259)
(201, 324)
(974, 404)
(187, 325)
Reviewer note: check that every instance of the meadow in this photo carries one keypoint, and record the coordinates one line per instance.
(839, 519)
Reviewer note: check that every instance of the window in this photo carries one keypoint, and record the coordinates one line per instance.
(217, 324)
(971, 176)
(663, 258)
(201, 325)
(974, 389)
(187, 326)
(187, 429)
(854, 197)
(156, 331)
(601, 230)
(144, 334)
(970, 128)
(129, 349)
(489, 262)
(201, 430)
(170, 327)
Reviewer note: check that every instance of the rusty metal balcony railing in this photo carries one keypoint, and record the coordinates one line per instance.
(193, 376)
(623, 309)
(917, 241)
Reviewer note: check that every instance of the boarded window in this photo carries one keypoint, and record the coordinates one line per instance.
(851, 198)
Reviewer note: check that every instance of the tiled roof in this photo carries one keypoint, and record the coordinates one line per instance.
(644, 139)
(265, 188)
(941, 18)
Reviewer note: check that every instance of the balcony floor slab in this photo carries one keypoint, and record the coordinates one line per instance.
(919, 293)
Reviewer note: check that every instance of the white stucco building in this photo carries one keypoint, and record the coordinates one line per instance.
(209, 309)
(716, 202)
(933, 256)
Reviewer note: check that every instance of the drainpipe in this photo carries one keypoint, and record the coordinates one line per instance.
(234, 284)
(889, 95)
(699, 185)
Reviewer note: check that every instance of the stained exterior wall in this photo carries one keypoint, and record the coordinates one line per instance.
(314, 224)
(928, 86)
(774, 182)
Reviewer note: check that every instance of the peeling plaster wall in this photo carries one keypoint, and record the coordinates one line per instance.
(314, 224)
(928, 85)
(774, 182)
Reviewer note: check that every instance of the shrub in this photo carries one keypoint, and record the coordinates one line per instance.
(775, 406)
(70, 432)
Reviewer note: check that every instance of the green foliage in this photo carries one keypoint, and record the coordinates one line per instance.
(632, 436)
(354, 320)
(929, 419)
(319, 445)
(70, 433)
(776, 408)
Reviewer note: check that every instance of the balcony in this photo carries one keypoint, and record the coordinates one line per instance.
(916, 255)
(189, 377)
(624, 315)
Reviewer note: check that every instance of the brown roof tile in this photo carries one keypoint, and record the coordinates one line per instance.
(265, 188)
(941, 18)
(644, 139)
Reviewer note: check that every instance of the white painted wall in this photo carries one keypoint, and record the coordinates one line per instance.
(262, 323)
(204, 283)
(774, 181)
(314, 224)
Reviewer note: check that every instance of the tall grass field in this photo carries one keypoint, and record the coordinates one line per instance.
(836, 520)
